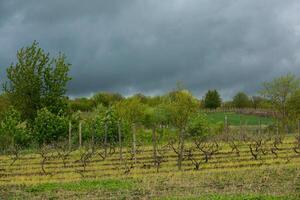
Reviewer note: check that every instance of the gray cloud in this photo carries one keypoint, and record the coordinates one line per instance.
(147, 46)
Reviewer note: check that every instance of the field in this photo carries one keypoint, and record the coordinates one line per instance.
(226, 175)
(235, 119)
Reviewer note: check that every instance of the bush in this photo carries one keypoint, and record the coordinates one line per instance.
(12, 131)
(49, 127)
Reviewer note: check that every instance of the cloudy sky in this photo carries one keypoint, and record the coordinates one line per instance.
(147, 46)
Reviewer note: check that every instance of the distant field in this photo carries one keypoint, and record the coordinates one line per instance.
(235, 119)
(226, 176)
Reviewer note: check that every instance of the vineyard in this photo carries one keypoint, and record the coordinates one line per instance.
(107, 169)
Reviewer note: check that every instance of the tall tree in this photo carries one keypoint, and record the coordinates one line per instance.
(37, 81)
(182, 106)
(241, 100)
(212, 99)
(278, 91)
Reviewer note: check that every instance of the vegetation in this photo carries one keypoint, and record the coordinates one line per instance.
(140, 146)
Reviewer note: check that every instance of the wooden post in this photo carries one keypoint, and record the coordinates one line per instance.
(154, 142)
(299, 127)
(80, 135)
(240, 125)
(226, 124)
(259, 126)
(70, 135)
(120, 143)
(105, 139)
(277, 128)
(134, 142)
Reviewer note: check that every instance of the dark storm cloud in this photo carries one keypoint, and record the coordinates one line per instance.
(148, 45)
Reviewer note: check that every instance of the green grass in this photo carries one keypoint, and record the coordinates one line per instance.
(235, 119)
(233, 197)
(109, 185)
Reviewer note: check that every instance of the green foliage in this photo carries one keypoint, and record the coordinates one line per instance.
(212, 99)
(106, 98)
(198, 125)
(4, 104)
(181, 106)
(106, 120)
(241, 100)
(37, 81)
(293, 106)
(81, 104)
(12, 131)
(48, 127)
(278, 91)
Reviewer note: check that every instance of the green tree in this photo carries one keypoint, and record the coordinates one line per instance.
(37, 81)
(182, 106)
(293, 106)
(198, 125)
(278, 91)
(107, 98)
(49, 127)
(241, 100)
(212, 99)
(12, 131)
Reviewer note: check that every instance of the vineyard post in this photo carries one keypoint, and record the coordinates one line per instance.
(105, 139)
(240, 125)
(120, 142)
(299, 127)
(226, 124)
(80, 135)
(154, 140)
(134, 142)
(277, 128)
(259, 126)
(70, 135)
(181, 143)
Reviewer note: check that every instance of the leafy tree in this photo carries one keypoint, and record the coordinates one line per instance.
(49, 127)
(212, 99)
(198, 125)
(293, 106)
(81, 104)
(12, 131)
(4, 104)
(182, 106)
(241, 100)
(37, 81)
(107, 98)
(278, 91)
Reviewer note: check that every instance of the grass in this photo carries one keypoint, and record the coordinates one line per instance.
(235, 119)
(225, 176)
(109, 184)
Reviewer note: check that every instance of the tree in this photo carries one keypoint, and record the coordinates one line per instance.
(37, 81)
(278, 91)
(241, 100)
(182, 105)
(48, 127)
(107, 98)
(12, 131)
(212, 99)
(293, 106)
(198, 125)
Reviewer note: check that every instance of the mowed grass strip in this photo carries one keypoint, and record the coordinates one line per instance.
(108, 184)
(235, 119)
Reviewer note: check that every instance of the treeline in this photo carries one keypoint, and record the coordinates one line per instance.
(35, 110)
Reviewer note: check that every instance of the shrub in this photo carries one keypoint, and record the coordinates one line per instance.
(49, 127)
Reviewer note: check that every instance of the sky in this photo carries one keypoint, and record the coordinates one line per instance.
(147, 46)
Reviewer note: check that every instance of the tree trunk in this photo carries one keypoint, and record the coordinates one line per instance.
(70, 135)
(181, 144)
(120, 143)
(105, 139)
(80, 135)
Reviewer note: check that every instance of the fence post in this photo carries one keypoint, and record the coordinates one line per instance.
(134, 142)
(80, 135)
(120, 143)
(70, 135)
(226, 124)
(105, 139)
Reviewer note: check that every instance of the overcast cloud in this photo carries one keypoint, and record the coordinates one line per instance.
(131, 46)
